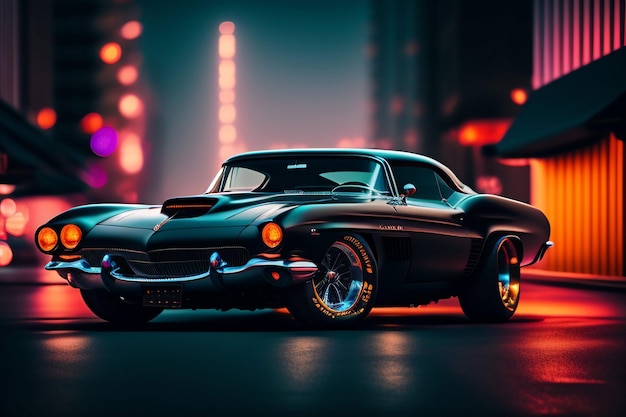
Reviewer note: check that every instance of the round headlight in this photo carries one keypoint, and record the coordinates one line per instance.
(70, 236)
(272, 235)
(47, 239)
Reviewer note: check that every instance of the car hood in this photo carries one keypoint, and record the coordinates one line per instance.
(210, 210)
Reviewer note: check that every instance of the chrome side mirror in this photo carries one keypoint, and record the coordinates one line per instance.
(409, 189)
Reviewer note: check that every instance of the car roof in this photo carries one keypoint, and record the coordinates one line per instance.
(391, 156)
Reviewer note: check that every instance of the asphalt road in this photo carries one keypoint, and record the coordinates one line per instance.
(562, 354)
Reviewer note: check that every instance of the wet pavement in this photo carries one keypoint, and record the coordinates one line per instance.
(562, 354)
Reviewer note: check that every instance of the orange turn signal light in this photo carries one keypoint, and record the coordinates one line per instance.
(71, 236)
(47, 239)
(272, 235)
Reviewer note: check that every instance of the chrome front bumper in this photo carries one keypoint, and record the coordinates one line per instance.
(256, 273)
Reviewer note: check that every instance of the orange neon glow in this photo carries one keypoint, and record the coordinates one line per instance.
(227, 96)
(514, 261)
(226, 71)
(131, 30)
(130, 106)
(519, 96)
(227, 114)
(46, 118)
(275, 276)
(483, 132)
(226, 46)
(227, 134)
(130, 153)
(582, 194)
(127, 75)
(91, 122)
(110, 53)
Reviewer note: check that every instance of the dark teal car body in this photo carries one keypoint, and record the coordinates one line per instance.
(327, 233)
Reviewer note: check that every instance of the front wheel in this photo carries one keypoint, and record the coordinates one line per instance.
(343, 292)
(495, 294)
(111, 308)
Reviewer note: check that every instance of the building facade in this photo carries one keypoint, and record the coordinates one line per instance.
(572, 128)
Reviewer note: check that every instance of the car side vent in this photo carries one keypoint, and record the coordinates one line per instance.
(185, 208)
(397, 248)
(475, 250)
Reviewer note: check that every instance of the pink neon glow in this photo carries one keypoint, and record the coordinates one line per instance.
(556, 42)
(596, 30)
(567, 36)
(547, 50)
(586, 33)
(616, 25)
(576, 35)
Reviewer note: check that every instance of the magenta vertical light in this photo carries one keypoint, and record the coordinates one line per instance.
(606, 25)
(617, 18)
(586, 32)
(556, 41)
(547, 50)
(537, 47)
(576, 35)
(597, 48)
(567, 37)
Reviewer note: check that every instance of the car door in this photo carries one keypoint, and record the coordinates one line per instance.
(440, 244)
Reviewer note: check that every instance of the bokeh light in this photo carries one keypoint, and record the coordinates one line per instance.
(95, 176)
(130, 106)
(104, 141)
(226, 46)
(46, 118)
(131, 30)
(227, 96)
(91, 122)
(6, 254)
(227, 28)
(110, 53)
(519, 96)
(130, 153)
(127, 75)
(227, 71)
(227, 134)
(8, 207)
(227, 114)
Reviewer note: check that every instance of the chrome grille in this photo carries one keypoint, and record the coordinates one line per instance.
(169, 263)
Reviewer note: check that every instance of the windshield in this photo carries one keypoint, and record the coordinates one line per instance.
(304, 175)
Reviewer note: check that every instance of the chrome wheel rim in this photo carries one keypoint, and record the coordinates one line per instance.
(508, 275)
(340, 285)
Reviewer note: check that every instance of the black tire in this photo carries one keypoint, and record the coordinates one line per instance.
(116, 311)
(343, 293)
(494, 295)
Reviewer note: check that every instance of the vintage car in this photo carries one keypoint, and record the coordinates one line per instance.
(326, 233)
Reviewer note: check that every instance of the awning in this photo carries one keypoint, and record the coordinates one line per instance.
(35, 162)
(580, 106)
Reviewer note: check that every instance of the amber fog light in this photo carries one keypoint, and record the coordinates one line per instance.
(47, 239)
(272, 235)
(70, 236)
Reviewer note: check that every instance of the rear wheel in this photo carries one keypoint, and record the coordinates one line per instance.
(343, 293)
(494, 295)
(111, 308)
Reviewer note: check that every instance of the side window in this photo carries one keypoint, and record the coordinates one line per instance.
(429, 185)
(243, 179)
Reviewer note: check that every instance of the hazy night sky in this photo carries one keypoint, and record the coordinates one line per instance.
(302, 79)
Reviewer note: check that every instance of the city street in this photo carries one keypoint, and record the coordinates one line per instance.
(562, 354)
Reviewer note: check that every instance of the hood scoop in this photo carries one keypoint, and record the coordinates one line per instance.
(186, 207)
